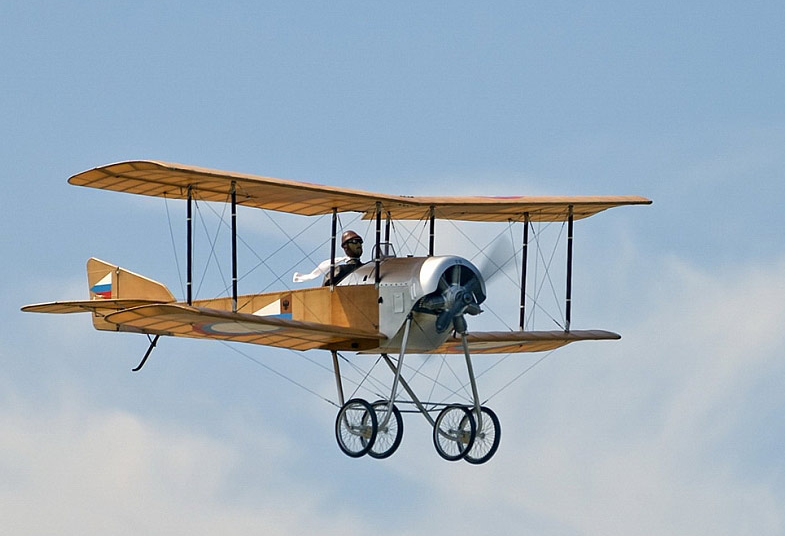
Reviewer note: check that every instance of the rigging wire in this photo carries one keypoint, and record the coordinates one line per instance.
(547, 276)
(498, 269)
(377, 384)
(515, 252)
(277, 373)
(367, 376)
(174, 246)
(519, 376)
(291, 240)
(263, 261)
(293, 266)
(211, 255)
(277, 277)
(404, 242)
(240, 352)
(438, 374)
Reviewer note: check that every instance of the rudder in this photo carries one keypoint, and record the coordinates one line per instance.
(107, 281)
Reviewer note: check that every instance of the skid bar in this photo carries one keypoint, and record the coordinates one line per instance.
(153, 342)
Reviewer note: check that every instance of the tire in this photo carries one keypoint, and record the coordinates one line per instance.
(454, 432)
(388, 439)
(356, 427)
(486, 441)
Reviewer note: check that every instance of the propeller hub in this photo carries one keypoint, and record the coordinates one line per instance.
(456, 300)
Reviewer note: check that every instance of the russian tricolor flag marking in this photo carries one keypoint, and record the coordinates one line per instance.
(103, 289)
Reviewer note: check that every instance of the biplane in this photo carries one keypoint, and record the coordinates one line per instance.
(391, 306)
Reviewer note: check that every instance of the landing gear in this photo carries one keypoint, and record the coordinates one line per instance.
(459, 432)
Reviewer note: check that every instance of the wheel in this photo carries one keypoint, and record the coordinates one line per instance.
(355, 427)
(487, 439)
(453, 432)
(388, 439)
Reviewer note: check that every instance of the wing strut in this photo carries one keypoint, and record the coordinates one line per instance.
(332, 249)
(524, 262)
(189, 251)
(568, 305)
(378, 241)
(432, 217)
(234, 247)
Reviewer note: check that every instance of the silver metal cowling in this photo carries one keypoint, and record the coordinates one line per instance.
(404, 281)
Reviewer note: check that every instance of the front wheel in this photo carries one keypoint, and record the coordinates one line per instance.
(356, 427)
(454, 432)
(388, 437)
(487, 439)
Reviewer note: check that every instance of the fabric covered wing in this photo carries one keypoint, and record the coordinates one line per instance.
(200, 322)
(504, 209)
(505, 342)
(163, 179)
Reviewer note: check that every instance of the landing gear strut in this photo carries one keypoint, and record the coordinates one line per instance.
(471, 433)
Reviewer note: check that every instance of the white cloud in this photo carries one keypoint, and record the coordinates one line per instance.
(78, 470)
(639, 437)
(640, 447)
(632, 437)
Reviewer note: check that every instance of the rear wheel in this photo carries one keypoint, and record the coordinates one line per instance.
(489, 433)
(356, 427)
(453, 432)
(388, 438)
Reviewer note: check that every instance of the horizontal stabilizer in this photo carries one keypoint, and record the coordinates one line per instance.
(111, 289)
(85, 306)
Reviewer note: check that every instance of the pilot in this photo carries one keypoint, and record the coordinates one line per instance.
(352, 245)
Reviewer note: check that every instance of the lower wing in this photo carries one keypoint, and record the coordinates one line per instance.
(205, 323)
(504, 342)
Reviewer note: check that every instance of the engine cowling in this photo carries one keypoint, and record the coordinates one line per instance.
(439, 291)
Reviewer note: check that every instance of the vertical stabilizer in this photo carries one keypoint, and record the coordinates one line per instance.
(107, 281)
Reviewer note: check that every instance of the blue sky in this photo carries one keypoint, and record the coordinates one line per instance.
(676, 429)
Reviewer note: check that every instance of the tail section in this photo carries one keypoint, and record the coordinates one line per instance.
(109, 282)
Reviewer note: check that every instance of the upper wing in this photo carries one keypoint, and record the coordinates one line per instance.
(504, 342)
(173, 180)
(201, 322)
(503, 209)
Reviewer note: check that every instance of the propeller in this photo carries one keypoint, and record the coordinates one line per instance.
(493, 261)
(460, 289)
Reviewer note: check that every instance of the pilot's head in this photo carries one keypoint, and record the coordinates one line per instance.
(352, 244)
